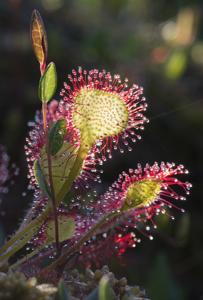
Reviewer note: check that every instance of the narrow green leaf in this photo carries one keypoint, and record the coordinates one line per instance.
(48, 83)
(41, 180)
(105, 290)
(62, 293)
(56, 136)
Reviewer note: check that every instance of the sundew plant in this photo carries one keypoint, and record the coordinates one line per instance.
(68, 223)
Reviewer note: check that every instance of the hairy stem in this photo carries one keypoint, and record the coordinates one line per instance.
(53, 198)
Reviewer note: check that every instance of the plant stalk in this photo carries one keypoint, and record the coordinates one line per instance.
(53, 198)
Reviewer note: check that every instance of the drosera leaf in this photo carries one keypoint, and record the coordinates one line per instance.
(39, 38)
(48, 83)
(62, 162)
(66, 229)
(105, 290)
(56, 136)
(62, 293)
(40, 178)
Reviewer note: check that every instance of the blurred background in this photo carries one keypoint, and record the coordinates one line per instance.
(157, 44)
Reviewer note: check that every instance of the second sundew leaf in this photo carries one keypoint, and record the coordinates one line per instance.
(62, 162)
(48, 83)
(56, 136)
